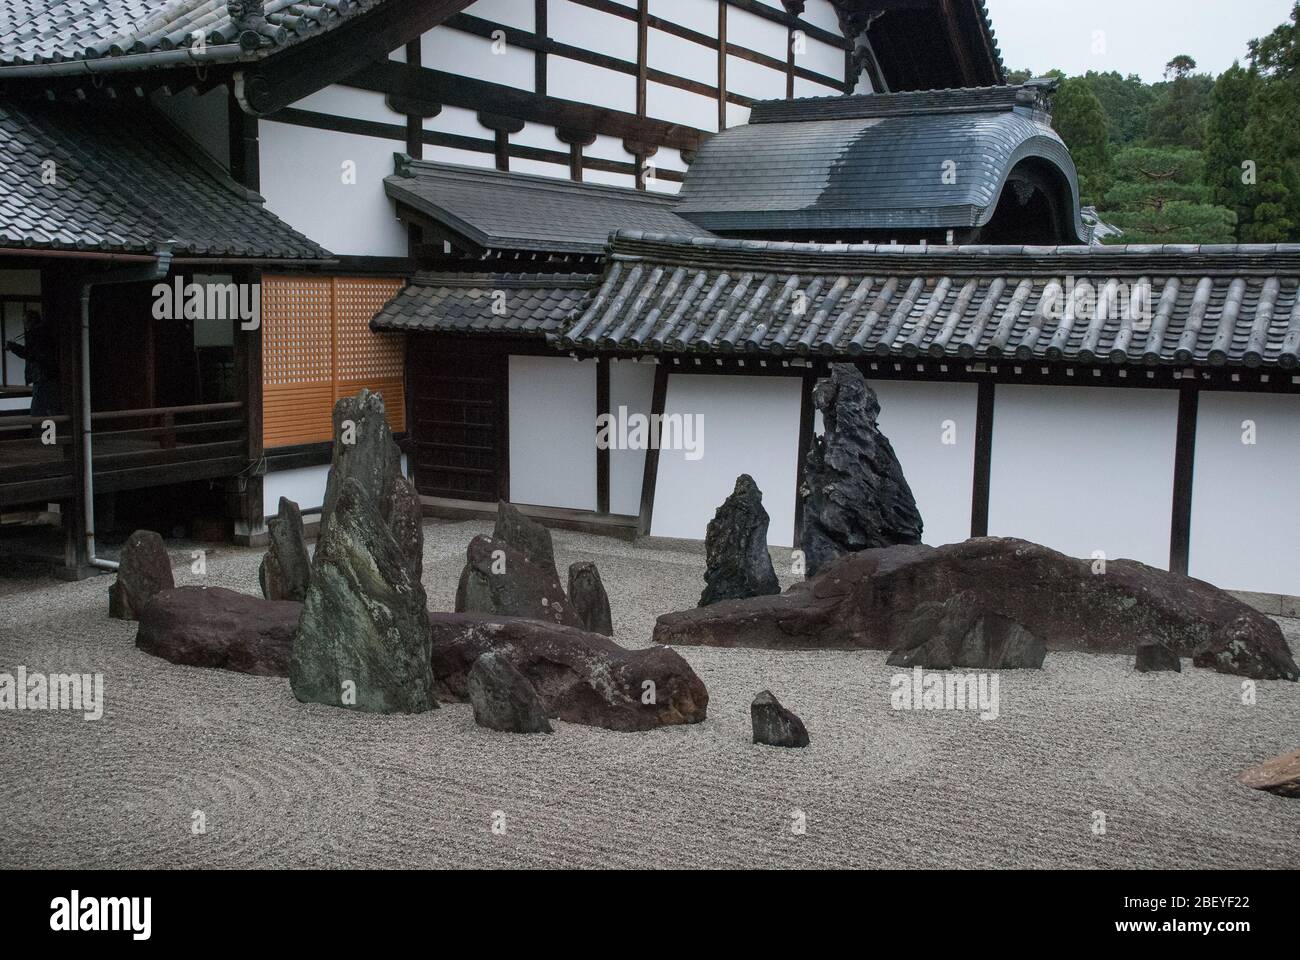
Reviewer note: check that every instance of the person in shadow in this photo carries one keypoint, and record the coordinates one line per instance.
(40, 351)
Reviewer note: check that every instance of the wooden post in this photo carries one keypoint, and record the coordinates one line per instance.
(650, 476)
(247, 490)
(602, 453)
(807, 422)
(1180, 527)
(722, 64)
(60, 292)
(979, 513)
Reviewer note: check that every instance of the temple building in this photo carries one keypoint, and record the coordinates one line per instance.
(516, 217)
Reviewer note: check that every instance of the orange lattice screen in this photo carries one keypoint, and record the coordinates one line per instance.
(317, 346)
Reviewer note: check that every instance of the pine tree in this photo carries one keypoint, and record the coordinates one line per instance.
(1159, 197)
(1229, 159)
(1177, 117)
(1078, 116)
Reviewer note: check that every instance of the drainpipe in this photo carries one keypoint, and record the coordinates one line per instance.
(156, 270)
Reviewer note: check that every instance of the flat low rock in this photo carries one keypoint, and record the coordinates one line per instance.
(862, 601)
(216, 627)
(502, 697)
(774, 725)
(581, 677)
(144, 570)
(959, 634)
(1280, 775)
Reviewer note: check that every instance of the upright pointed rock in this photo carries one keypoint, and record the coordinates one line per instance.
(737, 563)
(363, 641)
(588, 598)
(143, 572)
(855, 495)
(364, 451)
(286, 568)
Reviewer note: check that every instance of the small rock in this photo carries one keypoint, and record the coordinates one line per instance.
(503, 699)
(959, 634)
(285, 573)
(143, 572)
(774, 724)
(737, 564)
(588, 598)
(1280, 775)
(1156, 658)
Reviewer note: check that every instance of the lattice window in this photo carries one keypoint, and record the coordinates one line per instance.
(317, 346)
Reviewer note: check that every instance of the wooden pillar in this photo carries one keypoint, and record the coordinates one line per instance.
(61, 305)
(642, 152)
(414, 122)
(576, 139)
(979, 513)
(246, 491)
(650, 476)
(807, 423)
(1180, 527)
(541, 32)
(501, 128)
(722, 64)
(602, 453)
(245, 162)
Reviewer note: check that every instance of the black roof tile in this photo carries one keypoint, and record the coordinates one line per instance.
(469, 303)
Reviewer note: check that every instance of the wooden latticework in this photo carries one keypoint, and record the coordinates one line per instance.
(317, 346)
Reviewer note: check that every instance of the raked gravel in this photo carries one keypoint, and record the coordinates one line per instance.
(283, 784)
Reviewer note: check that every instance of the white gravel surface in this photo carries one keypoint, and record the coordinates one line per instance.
(279, 783)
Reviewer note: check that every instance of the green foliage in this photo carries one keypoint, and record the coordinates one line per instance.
(1177, 116)
(1078, 117)
(1126, 102)
(1160, 197)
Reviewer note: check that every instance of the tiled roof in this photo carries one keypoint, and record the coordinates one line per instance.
(102, 178)
(892, 162)
(57, 31)
(469, 303)
(513, 211)
(1207, 305)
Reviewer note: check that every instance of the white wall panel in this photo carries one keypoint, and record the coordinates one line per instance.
(302, 181)
(584, 83)
(553, 432)
(631, 385)
(808, 88)
(755, 80)
(1245, 521)
(539, 168)
(466, 158)
(822, 57)
(681, 106)
(609, 179)
(339, 101)
(471, 56)
(513, 13)
(756, 33)
(915, 417)
(684, 58)
(698, 15)
(590, 29)
(1082, 469)
(821, 13)
(304, 486)
(751, 425)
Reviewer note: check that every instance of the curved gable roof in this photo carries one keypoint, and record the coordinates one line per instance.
(874, 163)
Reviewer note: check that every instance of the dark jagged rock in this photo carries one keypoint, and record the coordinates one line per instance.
(499, 579)
(855, 496)
(364, 451)
(1280, 775)
(503, 699)
(774, 724)
(588, 598)
(1241, 646)
(286, 568)
(737, 564)
(581, 677)
(524, 534)
(143, 572)
(1157, 658)
(863, 600)
(958, 633)
(216, 627)
(363, 640)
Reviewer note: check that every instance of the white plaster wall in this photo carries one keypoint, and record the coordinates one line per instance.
(572, 80)
(914, 416)
(305, 486)
(1245, 516)
(512, 13)
(1082, 469)
(469, 55)
(698, 15)
(553, 432)
(590, 29)
(684, 58)
(756, 33)
(302, 181)
(340, 101)
(681, 106)
(821, 13)
(631, 385)
(751, 425)
(755, 80)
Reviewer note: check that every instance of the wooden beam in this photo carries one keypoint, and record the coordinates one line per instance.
(602, 453)
(245, 161)
(650, 475)
(541, 31)
(1180, 527)
(979, 513)
(948, 15)
(414, 120)
(807, 422)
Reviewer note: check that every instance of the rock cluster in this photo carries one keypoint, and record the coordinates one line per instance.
(513, 574)
(144, 570)
(581, 677)
(864, 601)
(285, 573)
(737, 564)
(854, 494)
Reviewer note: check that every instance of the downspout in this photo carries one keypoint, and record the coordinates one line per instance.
(155, 270)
